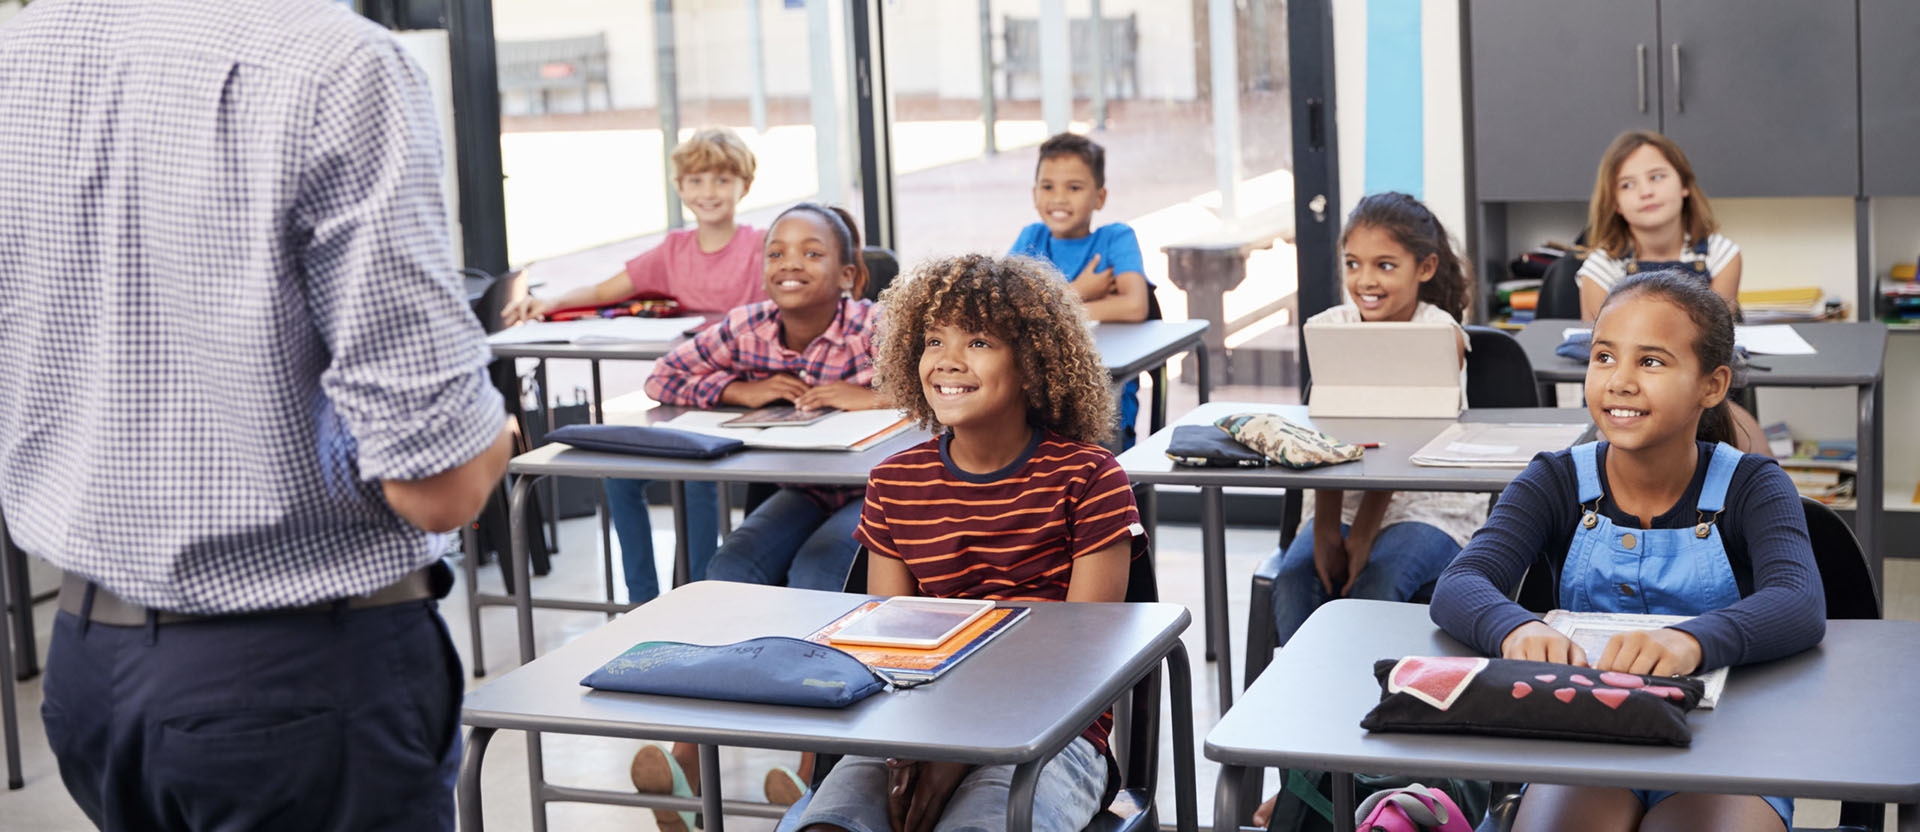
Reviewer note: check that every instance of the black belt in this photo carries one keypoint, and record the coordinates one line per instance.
(112, 610)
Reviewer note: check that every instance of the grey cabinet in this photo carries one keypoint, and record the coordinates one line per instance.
(1553, 83)
(1890, 97)
(1763, 96)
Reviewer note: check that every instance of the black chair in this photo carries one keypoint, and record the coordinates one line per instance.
(1138, 752)
(1498, 372)
(1851, 595)
(1560, 289)
(882, 267)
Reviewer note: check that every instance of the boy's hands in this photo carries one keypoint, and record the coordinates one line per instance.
(1662, 652)
(527, 308)
(917, 792)
(1094, 285)
(841, 394)
(1534, 641)
(765, 391)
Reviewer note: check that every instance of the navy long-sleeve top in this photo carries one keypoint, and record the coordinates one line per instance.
(1782, 608)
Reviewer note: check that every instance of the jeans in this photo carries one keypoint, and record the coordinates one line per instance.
(1406, 560)
(790, 541)
(1067, 795)
(627, 506)
(299, 721)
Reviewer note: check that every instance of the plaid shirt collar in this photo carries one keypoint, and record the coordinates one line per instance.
(769, 327)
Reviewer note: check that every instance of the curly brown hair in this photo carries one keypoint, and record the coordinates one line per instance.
(1019, 300)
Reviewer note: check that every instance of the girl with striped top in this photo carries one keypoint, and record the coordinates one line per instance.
(1648, 214)
(1015, 500)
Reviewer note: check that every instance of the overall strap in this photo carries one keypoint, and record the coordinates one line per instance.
(1713, 492)
(1586, 465)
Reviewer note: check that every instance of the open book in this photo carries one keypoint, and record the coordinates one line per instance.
(1592, 630)
(911, 666)
(849, 430)
(1494, 444)
(596, 331)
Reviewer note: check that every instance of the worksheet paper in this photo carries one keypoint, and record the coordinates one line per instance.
(630, 329)
(1765, 339)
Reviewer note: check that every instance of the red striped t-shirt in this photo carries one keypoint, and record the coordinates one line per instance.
(1012, 534)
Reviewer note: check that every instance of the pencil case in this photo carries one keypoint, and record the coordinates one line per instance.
(646, 441)
(773, 670)
(1207, 446)
(1286, 442)
(1538, 700)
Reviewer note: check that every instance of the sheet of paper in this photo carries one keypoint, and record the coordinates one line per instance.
(1772, 339)
(1494, 444)
(596, 331)
(1571, 331)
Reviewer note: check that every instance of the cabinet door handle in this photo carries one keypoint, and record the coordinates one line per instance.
(1640, 71)
(1678, 103)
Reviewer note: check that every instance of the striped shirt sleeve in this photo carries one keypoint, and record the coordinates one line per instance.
(1720, 253)
(1602, 270)
(698, 370)
(873, 531)
(1103, 510)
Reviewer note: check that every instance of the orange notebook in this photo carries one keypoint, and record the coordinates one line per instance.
(911, 665)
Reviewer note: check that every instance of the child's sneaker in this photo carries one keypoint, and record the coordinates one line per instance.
(654, 771)
(783, 786)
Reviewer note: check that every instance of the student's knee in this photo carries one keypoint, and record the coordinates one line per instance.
(1550, 808)
(1729, 812)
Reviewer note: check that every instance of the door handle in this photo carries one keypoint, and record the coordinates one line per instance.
(1678, 103)
(1640, 71)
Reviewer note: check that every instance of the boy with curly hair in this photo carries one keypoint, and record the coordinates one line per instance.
(1014, 500)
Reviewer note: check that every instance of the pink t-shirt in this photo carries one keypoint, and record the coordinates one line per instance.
(702, 281)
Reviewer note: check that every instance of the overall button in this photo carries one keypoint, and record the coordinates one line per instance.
(1627, 540)
(1627, 590)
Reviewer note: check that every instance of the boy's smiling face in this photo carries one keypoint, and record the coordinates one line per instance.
(1065, 196)
(711, 195)
(971, 379)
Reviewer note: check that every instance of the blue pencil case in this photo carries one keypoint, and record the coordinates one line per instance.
(646, 441)
(774, 670)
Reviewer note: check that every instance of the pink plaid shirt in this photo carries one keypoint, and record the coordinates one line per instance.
(746, 346)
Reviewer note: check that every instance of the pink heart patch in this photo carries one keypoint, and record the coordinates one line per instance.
(1581, 680)
(1669, 692)
(1546, 677)
(1440, 678)
(1611, 697)
(1521, 689)
(1622, 680)
(1564, 694)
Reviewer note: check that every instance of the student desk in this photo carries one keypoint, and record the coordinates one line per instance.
(1813, 725)
(1131, 349)
(1067, 661)
(1387, 468)
(844, 468)
(1847, 355)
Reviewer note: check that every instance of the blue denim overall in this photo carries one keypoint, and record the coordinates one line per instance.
(1657, 571)
(1698, 266)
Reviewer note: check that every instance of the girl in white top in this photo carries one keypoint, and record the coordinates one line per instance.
(1649, 214)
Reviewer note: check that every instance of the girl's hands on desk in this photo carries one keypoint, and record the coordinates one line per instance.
(1662, 652)
(527, 308)
(1534, 641)
(764, 392)
(841, 394)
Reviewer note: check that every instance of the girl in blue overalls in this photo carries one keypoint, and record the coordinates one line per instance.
(1663, 517)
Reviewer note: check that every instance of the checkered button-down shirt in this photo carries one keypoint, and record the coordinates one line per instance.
(746, 346)
(227, 301)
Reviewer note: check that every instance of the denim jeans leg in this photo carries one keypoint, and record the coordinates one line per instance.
(823, 560)
(762, 549)
(1296, 590)
(703, 527)
(627, 507)
(1406, 557)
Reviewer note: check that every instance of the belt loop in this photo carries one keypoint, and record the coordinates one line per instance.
(153, 627)
(86, 608)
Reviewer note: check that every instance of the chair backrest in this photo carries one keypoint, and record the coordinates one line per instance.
(1843, 566)
(1498, 372)
(1560, 289)
(882, 267)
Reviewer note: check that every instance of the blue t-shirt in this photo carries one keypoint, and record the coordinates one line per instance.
(1118, 249)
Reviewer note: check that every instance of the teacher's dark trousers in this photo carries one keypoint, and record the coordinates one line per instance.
(346, 719)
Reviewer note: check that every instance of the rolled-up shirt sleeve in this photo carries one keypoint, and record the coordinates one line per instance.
(406, 366)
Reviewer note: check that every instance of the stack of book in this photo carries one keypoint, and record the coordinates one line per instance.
(1900, 296)
(1779, 306)
(1823, 469)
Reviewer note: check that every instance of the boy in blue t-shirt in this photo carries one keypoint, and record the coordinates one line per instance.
(1103, 265)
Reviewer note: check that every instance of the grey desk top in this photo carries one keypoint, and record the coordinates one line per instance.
(1847, 354)
(1386, 468)
(1131, 349)
(627, 351)
(846, 468)
(1062, 666)
(1834, 722)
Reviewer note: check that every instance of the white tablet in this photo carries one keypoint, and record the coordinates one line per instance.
(1380, 369)
(911, 622)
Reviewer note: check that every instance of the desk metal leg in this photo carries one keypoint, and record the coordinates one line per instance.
(469, 566)
(1204, 365)
(19, 596)
(710, 788)
(1213, 554)
(1026, 777)
(9, 714)
(1343, 804)
(682, 570)
(1907, 817)
(537, 780)
(1869, 487)
(1180, 687)
(467, 793)
(1159, 419)
(547, 402)
(522, 589)
(598, 416)
(1226, 798)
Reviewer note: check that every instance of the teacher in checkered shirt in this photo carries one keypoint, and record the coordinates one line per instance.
(241, 402)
